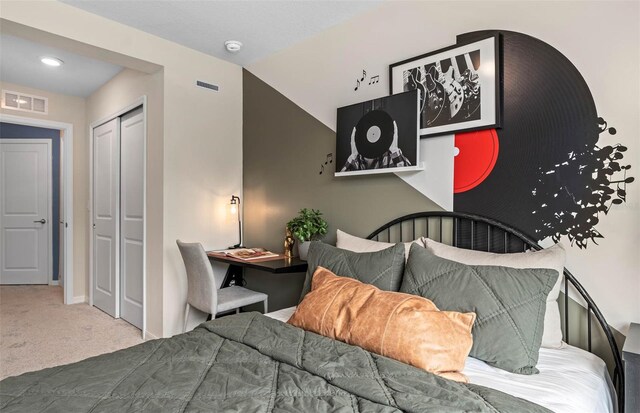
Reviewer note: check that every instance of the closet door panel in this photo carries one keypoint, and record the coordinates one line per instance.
(106, 188)
(132, 216)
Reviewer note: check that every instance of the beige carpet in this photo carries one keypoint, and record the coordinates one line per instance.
(37, 330)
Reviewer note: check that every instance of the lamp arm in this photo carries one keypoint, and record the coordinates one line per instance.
(240, 224)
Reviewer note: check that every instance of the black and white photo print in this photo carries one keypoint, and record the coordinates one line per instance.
(459, 86)
(379, 135)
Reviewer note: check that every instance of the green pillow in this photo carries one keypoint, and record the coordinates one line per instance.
(509, 304)
(382, 269)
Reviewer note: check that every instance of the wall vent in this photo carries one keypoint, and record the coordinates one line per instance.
(24, 102)
(207, 85)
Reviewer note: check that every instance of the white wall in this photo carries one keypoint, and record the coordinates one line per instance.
(202, 132)
(120, 92)
(600, 38)
(68, 109)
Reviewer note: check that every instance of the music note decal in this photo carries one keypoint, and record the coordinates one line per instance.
(327, 161)
(372, 80)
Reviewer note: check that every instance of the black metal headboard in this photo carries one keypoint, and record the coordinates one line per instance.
(485, 234)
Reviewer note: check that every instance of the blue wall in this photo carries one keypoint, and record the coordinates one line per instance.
(11, 131)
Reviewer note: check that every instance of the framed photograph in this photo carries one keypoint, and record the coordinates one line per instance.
(459, 85)
(378, 136)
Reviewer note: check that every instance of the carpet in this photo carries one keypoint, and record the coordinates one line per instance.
(38, 331)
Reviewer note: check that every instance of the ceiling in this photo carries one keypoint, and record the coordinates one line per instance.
(78, 76)
(264, 27)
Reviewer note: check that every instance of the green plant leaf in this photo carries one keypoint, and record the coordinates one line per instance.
(308, 225)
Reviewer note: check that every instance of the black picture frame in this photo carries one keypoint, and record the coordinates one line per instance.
(481, 57)
(373, 126)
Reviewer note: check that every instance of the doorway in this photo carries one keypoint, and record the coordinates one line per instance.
(22, 256)
(28, 246)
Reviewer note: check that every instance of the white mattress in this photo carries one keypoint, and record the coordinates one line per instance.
(571, 380)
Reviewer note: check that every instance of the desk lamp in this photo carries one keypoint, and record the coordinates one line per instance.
(235, 209)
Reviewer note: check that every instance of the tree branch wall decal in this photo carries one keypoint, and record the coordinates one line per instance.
(602, 170)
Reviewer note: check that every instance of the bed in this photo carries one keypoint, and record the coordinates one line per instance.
(571, 380)
(251, 362)
(597, 391)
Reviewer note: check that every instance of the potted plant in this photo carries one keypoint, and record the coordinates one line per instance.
(307, 226)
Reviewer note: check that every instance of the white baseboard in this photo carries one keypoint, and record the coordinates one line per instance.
(149, 336)
(79, 299)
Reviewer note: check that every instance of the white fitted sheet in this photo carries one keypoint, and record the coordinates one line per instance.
(571, 380)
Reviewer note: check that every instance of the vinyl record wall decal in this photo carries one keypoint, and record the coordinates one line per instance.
(557, 172)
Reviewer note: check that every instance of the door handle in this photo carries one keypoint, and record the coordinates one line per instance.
(42, 221)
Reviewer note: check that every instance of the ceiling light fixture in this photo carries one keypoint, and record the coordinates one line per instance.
(233, 46)
(51, 61)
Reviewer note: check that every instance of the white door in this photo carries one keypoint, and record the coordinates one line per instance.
(25, 219)
(61, 224)
(106, 163)
(131, 216)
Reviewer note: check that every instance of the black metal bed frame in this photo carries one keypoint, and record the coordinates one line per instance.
(485, 234)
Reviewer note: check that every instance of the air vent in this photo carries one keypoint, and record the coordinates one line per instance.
(207, 85)
(24, 102)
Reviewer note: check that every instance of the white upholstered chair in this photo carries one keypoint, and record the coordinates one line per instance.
(204, 293)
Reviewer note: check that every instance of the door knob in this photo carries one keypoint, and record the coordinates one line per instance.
(42, 221)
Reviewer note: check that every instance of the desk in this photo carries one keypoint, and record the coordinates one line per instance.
(273, 265)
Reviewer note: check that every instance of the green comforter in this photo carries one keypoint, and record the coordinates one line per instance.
(246, 363)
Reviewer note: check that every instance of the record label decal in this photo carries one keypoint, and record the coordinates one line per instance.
(476, 157)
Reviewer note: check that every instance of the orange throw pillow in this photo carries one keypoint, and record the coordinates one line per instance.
(404, 327)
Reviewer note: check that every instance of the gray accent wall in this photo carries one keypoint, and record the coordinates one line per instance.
(283, 150)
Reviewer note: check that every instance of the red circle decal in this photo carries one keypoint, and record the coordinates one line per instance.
(476, 156)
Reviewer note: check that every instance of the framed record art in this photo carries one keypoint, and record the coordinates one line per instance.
(459, 85)
(378, 136)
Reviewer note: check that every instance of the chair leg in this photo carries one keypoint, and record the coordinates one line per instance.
(186, 318)
(265, 306)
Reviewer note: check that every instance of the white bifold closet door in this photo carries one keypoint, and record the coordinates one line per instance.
(118, 187)
(106, 193)
(131, 216)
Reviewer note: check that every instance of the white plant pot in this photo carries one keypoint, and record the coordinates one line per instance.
(303, 249)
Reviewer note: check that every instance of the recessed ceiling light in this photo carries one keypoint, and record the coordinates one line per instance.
(51, 61)
(233, 46)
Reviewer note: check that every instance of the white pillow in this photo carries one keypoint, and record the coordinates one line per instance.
(553, 258)
(356, 244)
